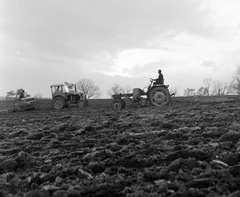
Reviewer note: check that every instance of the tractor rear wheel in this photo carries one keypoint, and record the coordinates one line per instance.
(159, 96)
(118, 104)
(58, 102)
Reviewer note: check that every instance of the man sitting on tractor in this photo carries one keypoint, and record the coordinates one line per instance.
(22, 94)
(22, 97)
(160, 79)
(57, 91)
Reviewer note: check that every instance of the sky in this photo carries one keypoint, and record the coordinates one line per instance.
(45, 42)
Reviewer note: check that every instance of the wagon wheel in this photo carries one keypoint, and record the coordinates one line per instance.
(58, 102)
(118, 104)
(18, 105)
(159, 96)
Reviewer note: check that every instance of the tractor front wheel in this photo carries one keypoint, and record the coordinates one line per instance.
(80, 104)
(159, 96)
(58, 103)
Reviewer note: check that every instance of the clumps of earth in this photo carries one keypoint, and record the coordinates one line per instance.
(177, 150)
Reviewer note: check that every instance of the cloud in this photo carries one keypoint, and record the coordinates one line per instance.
(210, 64)
(123, 23)
(62, 40)
(81, 30)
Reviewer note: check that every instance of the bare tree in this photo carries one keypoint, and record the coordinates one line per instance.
(233, 88)
(173, 91)
(221, 88)
(88, 88)
(127, 89)
(235, 84)
(207, 84)
(11, 94)
(189, 92)
(203, 91)
(116, 89)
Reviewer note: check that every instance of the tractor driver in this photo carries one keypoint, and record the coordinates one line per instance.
(22, 95)
(160, 79)
(57, 90)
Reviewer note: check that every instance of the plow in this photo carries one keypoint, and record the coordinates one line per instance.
(24, 104)
(156, 94)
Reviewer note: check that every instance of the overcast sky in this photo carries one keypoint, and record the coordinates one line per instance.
(44, 42)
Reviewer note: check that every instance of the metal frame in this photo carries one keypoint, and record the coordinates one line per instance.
(23, 104)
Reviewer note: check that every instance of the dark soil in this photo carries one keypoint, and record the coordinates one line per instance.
(179, 150)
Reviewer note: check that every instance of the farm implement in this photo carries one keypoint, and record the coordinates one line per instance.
(156, 94)
(24, 104)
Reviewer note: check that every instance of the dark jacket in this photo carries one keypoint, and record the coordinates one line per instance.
(160, 79)
(22, 95)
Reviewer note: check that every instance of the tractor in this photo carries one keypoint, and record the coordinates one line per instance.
(64, 94)
(156, 94)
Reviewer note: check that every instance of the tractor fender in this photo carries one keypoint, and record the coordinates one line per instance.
(57, 96)
(160, 85)
(155, 86)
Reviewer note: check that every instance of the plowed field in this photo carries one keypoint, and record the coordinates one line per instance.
(185, 149)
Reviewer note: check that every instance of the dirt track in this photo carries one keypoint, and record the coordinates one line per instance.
(184, 149)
